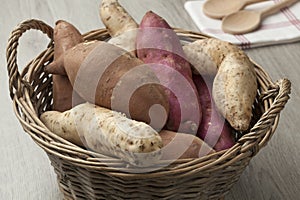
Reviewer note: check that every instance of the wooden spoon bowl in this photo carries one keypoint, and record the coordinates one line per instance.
(219, 8)
(247, 20)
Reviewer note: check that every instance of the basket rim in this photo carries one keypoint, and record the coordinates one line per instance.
(273, 94)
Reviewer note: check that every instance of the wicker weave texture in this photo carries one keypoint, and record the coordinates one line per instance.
(83, 174)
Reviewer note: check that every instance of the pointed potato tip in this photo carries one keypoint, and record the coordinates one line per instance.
(56, 67)
(59, 21)
(240, 125)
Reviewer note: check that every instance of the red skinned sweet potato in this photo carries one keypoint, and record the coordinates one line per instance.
(158, 45)
(65, 37)
(182, 145)
(213, 129)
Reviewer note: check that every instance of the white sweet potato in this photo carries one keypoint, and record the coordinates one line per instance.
(120, 25)
(235, 88)
(206, 55)
(107, 132)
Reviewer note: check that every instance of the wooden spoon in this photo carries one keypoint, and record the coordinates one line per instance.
(220, 8)
(248, 20)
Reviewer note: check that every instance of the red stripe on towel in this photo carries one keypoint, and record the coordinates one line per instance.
(291, 17)
(278, 25)
(245, 43)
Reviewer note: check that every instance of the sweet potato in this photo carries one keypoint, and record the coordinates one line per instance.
(235, 85)
(120, 25)
(206, 55)
(107, 132)
(213, 129)
(108, 76)
(235, 88)
(159, 45)
(65, 37)
(182, 145)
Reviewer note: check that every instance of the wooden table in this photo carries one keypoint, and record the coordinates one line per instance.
(25, 170)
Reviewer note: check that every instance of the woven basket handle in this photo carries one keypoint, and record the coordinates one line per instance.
(251, 141)
(16, 82)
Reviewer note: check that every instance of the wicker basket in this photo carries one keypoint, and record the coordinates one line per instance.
(83, 174)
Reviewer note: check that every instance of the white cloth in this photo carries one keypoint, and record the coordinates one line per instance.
(282, 27)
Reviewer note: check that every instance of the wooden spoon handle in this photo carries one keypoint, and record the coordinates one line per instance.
(275, 8)
(248, 2)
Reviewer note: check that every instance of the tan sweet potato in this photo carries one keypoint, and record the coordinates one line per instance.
(235, 85)
(206, 55)
(158, 45)
(108, 76)
(65, 37)
(182, 145)
(234, 89)
(116, 18)
(107, 132)
(120, 24)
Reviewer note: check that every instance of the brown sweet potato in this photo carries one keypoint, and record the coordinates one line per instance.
(107, 132)
(182, 145)
(65, 37)
(213, 129)
(108, 76)
(158, 45)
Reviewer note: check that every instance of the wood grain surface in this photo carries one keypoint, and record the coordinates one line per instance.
(25, 170)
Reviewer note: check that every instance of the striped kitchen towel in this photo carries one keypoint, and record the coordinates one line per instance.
(282, 27)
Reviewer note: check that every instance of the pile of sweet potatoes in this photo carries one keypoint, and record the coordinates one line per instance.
(142, 96)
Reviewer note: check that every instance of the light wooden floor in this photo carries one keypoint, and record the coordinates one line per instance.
(25, 171)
